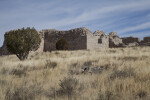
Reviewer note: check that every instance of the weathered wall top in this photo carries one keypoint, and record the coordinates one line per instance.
(81, 31)
(113, 34)
(99, 33)
(114, 40)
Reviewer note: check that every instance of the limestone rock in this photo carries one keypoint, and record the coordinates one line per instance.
(99, 33)
(113, 34)
(92, 69)
(114, 40)
(133, 44)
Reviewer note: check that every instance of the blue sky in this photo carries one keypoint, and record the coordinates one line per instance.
(126, 17)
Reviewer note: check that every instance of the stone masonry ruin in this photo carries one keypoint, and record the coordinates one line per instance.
(146, 41)
(80, 39)
(114, 40)
(128, 40)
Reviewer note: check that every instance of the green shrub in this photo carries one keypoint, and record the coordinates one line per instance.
(62, 44)
(21, 41)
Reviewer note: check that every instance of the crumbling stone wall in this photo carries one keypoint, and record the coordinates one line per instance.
(3, 49)
(114, 40)
(146, 39)
(97, 40)
(81, 38)
(77, 38)
(128, 40)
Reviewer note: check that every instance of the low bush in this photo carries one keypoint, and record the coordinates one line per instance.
(50, 64)
(19, 93)
(122, 73)
(24, 92)
(142, 94)
(62, 44)
(108, 95)
(68, 86)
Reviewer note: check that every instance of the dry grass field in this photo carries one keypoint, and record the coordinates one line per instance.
(111, 74)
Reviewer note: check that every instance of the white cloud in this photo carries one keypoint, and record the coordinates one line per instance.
(135, 28)
(44, 15)
(139, 34)
(100, 13)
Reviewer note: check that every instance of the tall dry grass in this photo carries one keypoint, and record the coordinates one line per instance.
(58, 76)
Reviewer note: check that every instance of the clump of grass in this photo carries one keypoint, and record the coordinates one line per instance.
(23, 91)
(3, 82)
(74, 65)
(68, 86)
(142, 94)
(19, 71)
(130, 58)
(51, 93)
(122, 73)
(75, 71)
(50, 64)
(87, 63)
(4, 71)
(107, 95)
(112, 51)
(19, 93)
(57, 53)
(106, 66)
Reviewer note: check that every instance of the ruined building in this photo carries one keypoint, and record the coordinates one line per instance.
(114, 40)
(131, 39)
(145, 41)
(79, 39)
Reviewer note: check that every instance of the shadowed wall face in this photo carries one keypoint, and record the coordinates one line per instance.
(3, 49)
(76, 40)
(130, 40)
(147, 39)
